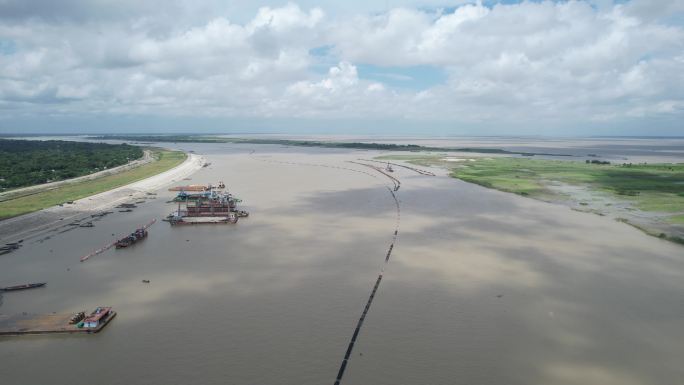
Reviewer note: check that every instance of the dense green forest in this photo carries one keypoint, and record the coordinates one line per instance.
(30, 162)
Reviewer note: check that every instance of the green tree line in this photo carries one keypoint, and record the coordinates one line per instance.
(30, 162)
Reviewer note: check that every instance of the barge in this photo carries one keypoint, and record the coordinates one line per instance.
(134, 237)
(119, 243)
(27, 324)
(198, 187)
(176, 220)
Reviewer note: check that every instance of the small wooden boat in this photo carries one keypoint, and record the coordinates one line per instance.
(24, 287)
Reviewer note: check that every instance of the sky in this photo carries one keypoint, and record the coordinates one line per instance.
(553, 68)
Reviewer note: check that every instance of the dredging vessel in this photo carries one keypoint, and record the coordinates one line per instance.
(213, 206)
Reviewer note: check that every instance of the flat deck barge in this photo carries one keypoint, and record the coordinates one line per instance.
(25, 323)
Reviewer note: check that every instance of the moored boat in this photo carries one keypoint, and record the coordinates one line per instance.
(23, 287)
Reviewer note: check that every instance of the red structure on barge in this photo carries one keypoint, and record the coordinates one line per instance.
(207, 207)
(100, 315)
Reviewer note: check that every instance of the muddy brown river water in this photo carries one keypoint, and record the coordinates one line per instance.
(482, 287)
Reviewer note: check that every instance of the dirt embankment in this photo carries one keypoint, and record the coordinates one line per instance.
(39, 222)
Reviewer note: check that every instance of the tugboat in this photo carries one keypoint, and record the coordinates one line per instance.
(24, 287)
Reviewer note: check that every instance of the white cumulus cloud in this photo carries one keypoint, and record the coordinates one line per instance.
(545, 64)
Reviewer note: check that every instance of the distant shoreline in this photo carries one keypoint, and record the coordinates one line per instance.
(407, 135)
(317, 143)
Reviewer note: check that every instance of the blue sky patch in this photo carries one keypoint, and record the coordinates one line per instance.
(413, 77)
(7, 47)
(321, 51)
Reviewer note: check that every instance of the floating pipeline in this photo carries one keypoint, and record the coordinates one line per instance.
(389, 252)
(359, 324)
(313, 165)
(395, 181)
(419, 171)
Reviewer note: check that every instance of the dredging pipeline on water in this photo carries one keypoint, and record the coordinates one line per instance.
(419, 171)
(371, 297)
(374, 290)
(395, 181)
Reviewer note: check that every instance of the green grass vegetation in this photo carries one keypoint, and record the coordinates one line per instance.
(30, 162)
(652, 187)
(164, 160)
(676, 219)
(657, 189)
(309, 143)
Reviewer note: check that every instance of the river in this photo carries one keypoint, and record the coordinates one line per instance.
(482, 287)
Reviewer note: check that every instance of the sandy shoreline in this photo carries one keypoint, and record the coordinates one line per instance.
(36, 223)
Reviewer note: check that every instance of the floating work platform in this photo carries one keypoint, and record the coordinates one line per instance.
(206, 207)
(25, 323)
(199, 187)
(175, 221)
